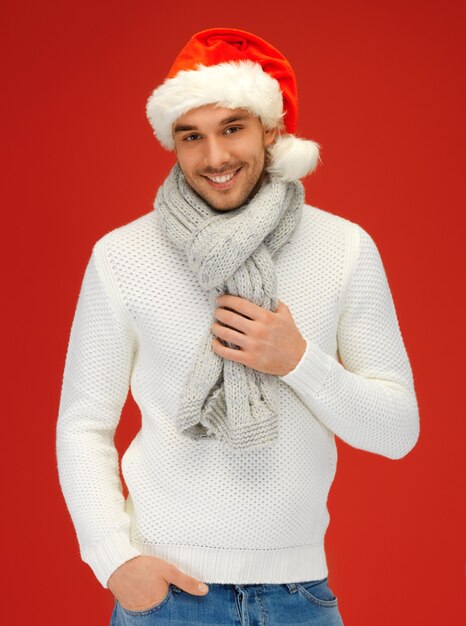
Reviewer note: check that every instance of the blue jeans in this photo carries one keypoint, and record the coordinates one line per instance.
(310, 603)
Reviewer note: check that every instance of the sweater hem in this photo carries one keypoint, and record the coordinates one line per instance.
(233, 566)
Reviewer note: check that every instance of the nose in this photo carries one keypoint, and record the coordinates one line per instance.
(216, 153)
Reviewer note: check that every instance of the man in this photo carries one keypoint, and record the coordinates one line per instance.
(252, 329)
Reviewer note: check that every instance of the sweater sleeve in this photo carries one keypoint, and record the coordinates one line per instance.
(368, 400)
(95, 385)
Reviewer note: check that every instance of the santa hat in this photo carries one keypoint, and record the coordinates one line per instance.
(236, 69)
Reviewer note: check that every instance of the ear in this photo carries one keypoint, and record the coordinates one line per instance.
(269, 135)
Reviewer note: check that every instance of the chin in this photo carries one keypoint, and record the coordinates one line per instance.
(224, 203)
(224, 209)
(228, 207)
(221, 207)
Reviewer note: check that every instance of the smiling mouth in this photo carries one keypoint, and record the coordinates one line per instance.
(223, 181)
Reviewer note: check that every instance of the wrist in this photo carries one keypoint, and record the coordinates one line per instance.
(297, 356)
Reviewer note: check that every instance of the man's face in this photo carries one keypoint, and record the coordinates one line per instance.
(221, 153)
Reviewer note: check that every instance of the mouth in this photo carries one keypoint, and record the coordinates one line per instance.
(224, 181)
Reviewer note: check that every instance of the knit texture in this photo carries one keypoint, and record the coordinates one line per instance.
(255, 517)
(230, 253)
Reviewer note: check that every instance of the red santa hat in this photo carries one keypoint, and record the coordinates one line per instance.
(236, 69)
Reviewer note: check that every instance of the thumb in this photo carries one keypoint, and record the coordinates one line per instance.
(188, 583)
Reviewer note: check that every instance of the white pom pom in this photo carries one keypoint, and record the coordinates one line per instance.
(292, 158)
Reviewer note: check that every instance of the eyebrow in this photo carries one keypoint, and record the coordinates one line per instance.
(228, 120)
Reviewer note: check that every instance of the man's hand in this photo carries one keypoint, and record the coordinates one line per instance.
(269, 341)
(143, 581)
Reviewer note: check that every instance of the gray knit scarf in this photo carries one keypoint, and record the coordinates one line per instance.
(230, 253)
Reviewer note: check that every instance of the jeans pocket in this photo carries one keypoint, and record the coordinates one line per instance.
(151, 609)
(318, 592)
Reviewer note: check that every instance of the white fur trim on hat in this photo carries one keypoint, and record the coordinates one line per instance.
(292, 158)
(233, 84)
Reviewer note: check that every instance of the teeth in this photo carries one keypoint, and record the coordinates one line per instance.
(221, 179)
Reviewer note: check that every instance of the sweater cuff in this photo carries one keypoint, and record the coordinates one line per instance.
(105, 557)
(311, 370)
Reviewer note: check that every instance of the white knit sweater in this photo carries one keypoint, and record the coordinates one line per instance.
(252, 517)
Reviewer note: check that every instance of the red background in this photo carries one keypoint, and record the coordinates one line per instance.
(382, 90)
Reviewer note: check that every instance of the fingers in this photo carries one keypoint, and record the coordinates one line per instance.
(241, 305)
(233, 320)
(187, 583)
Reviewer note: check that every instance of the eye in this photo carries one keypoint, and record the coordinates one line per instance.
(190, 137)
(234, 129)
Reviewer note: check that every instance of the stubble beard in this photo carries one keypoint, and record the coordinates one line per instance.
(247, 196)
